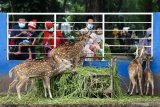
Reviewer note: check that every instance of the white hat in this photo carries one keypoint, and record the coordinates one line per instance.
(32, 23)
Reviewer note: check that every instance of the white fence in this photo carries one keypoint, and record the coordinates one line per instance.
(108, 21)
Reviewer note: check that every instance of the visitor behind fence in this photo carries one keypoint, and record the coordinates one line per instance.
(17, 33)
(48, 39)
(99, 38)
(29, 40)
(127, 40)
(147, 41)
(91, 46)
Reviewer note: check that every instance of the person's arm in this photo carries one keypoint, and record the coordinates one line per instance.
(18, 35)
(34, 40)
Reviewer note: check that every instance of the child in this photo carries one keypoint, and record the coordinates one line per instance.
(48, 40)
(28, 41)
(99, 37)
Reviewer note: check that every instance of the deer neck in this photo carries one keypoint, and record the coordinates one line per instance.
(139, 60)
(82, 43)
(147, 63)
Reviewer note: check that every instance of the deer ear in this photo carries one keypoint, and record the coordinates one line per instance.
(142, 51)
(115, 59)
(136, 50)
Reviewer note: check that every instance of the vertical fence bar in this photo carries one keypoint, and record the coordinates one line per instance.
(103, 20)
(7, 47)
(152, 33)
(55, 15)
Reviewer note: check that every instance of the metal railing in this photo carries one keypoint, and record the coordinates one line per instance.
(103, 21)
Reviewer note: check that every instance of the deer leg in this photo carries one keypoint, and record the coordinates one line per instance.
(137, 87)
(11, 85)
(140, 84)
(147, 87)
(152, 84)
(47, 81)
(19, 85)
(44, 85)
(129, 88)
(26, 86)
(133, 83)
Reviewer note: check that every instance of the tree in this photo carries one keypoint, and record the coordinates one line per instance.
(158, 3)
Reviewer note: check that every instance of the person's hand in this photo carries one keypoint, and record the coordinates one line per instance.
(101, 50)
(50, 37)
(32, 43)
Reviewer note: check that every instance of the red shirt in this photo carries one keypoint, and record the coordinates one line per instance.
(59, 38)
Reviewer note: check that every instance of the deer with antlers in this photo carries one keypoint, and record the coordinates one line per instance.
(148, 76)
(135, 70)
(43, 69)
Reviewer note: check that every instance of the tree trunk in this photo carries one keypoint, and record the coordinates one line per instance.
(12, 9)
(95, 6)
(64, 5)
(148, 8)
(158, 3)
(92, 6)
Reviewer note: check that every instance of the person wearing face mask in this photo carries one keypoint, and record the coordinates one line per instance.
(89, 26)
(90, 47)
(17, 31)
(29, 40)
(48, 39)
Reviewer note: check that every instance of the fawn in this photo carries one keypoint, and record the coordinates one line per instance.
(44, 69)
(148, 76)
(135, 69)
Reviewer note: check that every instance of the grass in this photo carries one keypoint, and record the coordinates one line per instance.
(27, 99)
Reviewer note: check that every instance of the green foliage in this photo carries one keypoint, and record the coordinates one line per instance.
(71, 36)
(107, 52)
(82, 84)
(82, 5)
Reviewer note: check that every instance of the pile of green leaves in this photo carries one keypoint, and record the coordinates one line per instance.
(87, 82)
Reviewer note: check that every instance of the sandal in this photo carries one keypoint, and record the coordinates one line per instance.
(17, 53)
(29, 59)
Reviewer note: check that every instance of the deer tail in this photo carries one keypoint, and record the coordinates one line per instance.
(11, 72)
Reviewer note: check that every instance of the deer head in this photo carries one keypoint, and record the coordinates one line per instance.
(140, 51)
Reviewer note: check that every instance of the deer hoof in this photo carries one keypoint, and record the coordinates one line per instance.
(128, 93)
(137, 93)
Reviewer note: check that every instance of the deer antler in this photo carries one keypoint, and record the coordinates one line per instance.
(142, 51)
(137, 51)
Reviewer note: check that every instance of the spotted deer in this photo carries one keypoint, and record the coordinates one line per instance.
(148, 76)
(70, 52)
(135, 70)
(43, 69)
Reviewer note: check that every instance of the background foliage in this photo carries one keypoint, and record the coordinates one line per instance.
(80, 5)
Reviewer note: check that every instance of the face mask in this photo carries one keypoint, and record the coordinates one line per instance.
(51, 30)
(90, 26)
(21, 25)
